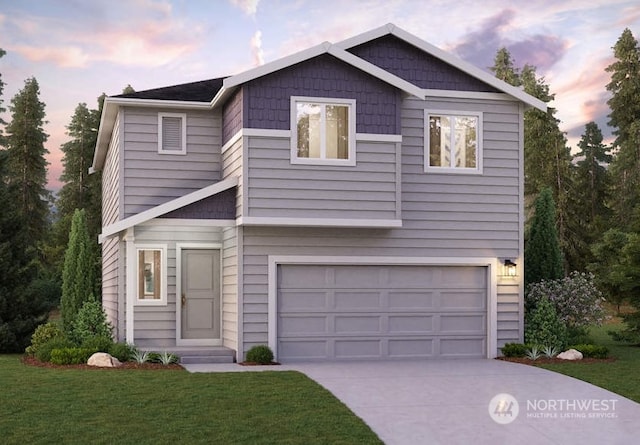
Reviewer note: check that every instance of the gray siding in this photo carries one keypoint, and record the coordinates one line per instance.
(111, 178)
(412, 64)
(230, 288)
(232, 166)
(444, 215)
(232, 116)
(268, 98)
(219, 206)
(110, 287)
(155, 326)
(277, 188)
(151, 179)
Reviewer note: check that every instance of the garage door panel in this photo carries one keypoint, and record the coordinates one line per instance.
(463, 300)
(422, 324)
(352, 324)
(382, 312)
(410, 300)
(357, 300)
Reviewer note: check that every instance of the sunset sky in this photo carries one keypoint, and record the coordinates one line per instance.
(78, 49)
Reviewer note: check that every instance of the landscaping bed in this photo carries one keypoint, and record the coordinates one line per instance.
(32, 361)
(550, 361)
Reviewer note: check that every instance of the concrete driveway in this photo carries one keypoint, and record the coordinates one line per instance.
(459, 402)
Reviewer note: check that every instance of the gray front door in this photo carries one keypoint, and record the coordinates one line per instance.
(200, 297)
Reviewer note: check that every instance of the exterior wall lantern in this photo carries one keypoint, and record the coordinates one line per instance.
(509, 269)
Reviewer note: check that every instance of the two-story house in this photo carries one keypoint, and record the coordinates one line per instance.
(356, 200)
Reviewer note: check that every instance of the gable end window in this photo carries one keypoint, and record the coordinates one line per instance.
(323, 131)
(172, 133)
(453, 142)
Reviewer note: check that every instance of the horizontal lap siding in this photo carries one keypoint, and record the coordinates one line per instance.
(111, 178)
(230, 288)
(458, 216)
(110, 288)
(155, 326)
(150, 178)
(277, 188)
(232, 167)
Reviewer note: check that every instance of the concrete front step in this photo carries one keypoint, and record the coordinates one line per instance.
(202, 354)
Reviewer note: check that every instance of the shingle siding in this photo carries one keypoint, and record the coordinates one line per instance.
(412, 64)
(268, 98)
(219, 206)
(232, 116)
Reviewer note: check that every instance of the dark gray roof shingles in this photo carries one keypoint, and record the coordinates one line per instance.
(202, 91)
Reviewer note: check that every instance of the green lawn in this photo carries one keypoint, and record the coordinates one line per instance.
(621, 376)
(39, 405)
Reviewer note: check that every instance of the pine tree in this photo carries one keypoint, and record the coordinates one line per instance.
(504, 68)
(27, 168)
(625, 119)
(78, 279)
(3, 142)
(542, 255)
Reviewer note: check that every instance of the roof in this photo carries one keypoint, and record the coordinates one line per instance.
(208, 94)
(201, 91)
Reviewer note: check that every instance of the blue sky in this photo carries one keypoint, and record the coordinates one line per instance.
(78, 49)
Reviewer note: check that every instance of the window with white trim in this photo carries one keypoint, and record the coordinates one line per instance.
(151, 275)
(453, 142)
(323, 131)
(172, 133)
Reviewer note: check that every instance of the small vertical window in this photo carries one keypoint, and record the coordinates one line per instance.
(453, 142)
(150, 283)
(323, 131)
(172, 137)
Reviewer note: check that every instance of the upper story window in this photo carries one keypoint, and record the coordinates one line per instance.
(172, 133)
(453, 142)
(323, 131)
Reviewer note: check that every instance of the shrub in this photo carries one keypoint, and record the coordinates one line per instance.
(42, 335)
(121, 351)
(98, 344)
(544, 327)
(91, 321)
(43, 353)
(261, 354)
(592, 351)
(70, 356)
(141, 356)
(577, 300)
(533, 353)
(514, 350)
(631, 334)
(578, 336)
(167, 358)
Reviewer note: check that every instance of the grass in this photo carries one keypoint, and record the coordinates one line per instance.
(42, 405)
(620, 376)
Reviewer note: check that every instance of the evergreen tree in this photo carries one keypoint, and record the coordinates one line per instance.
(504, 68)
(2, 109)
(625, 119)
(592, 182)
(27, 168)
(78, 279)
(542, 255)
(21, 309)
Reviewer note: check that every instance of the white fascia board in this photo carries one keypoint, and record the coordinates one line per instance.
(376, 71)
(446, 57)
(319, 222)
(167, 207)
(110, 111)
(274, 66)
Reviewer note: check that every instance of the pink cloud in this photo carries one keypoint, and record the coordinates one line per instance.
(256, 48)
(249, 7)
(63, 56)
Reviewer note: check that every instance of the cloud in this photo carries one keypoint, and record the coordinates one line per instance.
(479, 47)
(256, 48)
(249, 7)
(63, 56)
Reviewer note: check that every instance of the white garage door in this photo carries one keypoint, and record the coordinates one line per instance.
(381, 312)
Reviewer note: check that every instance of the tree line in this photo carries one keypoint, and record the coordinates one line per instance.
(591, 198)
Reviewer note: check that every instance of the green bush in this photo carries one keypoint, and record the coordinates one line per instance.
(121, 351)
(592, 351)
(514, 350)
(70, 356)
(261, 354)
(98, 344)
(631, 334)
(43, 353)
(578, 336)
(91, 321)
(543, 326)
(42, 335)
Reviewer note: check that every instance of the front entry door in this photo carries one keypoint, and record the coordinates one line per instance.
(200, 299)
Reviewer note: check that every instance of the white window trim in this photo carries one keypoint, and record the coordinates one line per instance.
(183, 118)
(351, 161)
(479, 149)
(163, 275)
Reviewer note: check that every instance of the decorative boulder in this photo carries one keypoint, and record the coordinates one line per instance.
(571, 354)
(103, 360)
